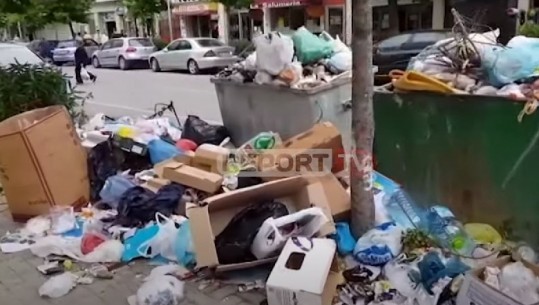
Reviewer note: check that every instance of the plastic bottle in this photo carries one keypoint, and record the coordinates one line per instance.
(233, 169)
(448, 231)
(404, 211)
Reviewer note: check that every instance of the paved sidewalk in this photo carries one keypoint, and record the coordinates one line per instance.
(20, 280)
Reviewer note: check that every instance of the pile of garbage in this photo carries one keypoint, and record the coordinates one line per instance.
(474, 63)
(302, 61)
(184, 198)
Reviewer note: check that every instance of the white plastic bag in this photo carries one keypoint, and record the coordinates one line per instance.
(58, 286)
(274, 52)
(341, 62)
(379, 245)
(272, 236)
(63, 219)
(164, 242)
(250, 62)
(84, 74)
(161, 290)
(519, 282)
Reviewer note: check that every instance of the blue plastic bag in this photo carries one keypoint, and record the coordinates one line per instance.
(114, 188)
(340, 62)
(160, 151)
(184, 246)
(379, 245)
(505, 65)
(344, 239)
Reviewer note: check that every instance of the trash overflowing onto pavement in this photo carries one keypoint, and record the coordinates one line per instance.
(183, 198)
(474, 63)
(302, 61)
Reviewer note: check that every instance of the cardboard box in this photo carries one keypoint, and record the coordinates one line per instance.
(211, 217)
(42, 162)
(475, 291)
(306, 272)
(185, 158)
(211, 158)
(192, 177)
(320, 136)
(155, 184)
(339, 198)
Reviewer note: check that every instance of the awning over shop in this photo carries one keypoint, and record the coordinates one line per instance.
(283, 3)
(195, 9)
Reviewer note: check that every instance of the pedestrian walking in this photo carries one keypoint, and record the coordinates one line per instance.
(81, 60)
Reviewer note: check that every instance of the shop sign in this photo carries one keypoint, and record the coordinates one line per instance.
(195, 8)
(282, 3)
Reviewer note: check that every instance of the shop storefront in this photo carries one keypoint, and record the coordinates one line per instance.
(241, 25)
(197, 19)
(335, 18)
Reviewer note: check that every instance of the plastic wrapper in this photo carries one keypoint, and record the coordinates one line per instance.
(340, 62)
(58, 286)
(309, 47)
(63, 219)
(114, 188)
(274, 52)
(161, 290)
(274, 232)
(379, 245)
(344, 239)
(163, 243)
(160, 151)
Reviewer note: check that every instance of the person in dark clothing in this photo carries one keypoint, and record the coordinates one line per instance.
(81, 59)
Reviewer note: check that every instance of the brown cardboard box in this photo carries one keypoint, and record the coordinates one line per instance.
(192, 177)
(339, 198)
(155, 184)
(321, 136)
(185, 158)
(475, 291)
(209, 219)
(42, 162)
(211, 158)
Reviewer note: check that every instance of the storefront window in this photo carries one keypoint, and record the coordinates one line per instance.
(335, 17)
(289, 19)
(234, 26)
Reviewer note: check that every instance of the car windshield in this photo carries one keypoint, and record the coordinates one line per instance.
(67, 44)
(10, 55)
(209, 43)
(140, 42)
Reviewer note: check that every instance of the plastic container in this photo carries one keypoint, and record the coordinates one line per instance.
(448, 231)
(404, 211)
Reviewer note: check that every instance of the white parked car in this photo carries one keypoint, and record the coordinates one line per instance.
(193, 54)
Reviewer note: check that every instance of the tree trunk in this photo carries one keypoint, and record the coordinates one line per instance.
(394, 23)
(71, 29)
(362, 118)
(136, 26)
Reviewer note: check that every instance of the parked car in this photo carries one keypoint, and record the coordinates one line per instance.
(193, 54)
(65, 51)
(15, 53)
(395, 52)
(43, 48)
(123, 52)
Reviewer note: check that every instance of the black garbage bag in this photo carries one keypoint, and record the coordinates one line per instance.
(138, 205)
(234, 243)
(102, 163)
(200, 132)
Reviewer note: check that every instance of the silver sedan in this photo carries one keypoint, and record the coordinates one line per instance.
(193, 54)
(123, 53)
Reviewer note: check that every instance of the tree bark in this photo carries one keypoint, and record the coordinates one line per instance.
(136, 26)
(394, 23)
(362, 118)
(71, 29)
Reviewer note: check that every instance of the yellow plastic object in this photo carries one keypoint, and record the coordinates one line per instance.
(126, 132)
(416, 81)
(483, 233)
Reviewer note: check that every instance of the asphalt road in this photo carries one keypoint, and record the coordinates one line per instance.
(135, 92)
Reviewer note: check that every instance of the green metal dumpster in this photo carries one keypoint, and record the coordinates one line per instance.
(467, 152)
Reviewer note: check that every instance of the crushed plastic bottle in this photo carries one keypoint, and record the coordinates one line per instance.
(233, 169)
(442, 224)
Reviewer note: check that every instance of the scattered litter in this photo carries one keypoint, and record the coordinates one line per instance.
(58, 285)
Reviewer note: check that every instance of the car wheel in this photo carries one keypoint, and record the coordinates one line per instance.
(155, 65)
(58, 63)
(193, 67)
(95, 62)
(124, 65)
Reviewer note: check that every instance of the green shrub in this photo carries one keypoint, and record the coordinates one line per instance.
(159, 43)
(529, 29)
(25, 87)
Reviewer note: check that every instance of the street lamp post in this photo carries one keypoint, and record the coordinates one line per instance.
(169, 21)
